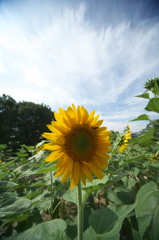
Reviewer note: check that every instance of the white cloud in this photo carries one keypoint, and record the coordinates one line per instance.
(60, 58)
(2, 68)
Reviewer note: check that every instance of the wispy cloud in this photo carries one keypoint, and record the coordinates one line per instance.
(59, 58)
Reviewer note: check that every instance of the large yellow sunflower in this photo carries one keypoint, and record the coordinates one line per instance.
(79, 144)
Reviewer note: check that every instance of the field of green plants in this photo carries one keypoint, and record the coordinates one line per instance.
(124, 204)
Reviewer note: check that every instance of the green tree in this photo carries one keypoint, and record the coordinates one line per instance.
(7, 118)
(22, 122)
(31, 122)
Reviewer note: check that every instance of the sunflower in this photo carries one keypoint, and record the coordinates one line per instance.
(79, 144)
(154, 159)
(125, 137)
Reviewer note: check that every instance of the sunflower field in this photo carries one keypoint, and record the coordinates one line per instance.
(83, 182)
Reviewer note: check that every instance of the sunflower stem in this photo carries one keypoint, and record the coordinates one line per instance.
(51, 209)
(80, 213)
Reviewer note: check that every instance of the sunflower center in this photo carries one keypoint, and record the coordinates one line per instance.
(80, 144)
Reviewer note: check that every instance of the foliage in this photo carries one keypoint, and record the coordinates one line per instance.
(153, 124)
(122, 205)
(22, 122)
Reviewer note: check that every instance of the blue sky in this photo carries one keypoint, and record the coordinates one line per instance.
(95, 53)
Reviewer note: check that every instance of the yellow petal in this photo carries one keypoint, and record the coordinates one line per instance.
(87, 171)
(72, 121)
(82, 177)
(70, 164)
(72, 184)
(85, 163)
(67, 123)
(99, 123)
(78, 115)
(100, 154)
(65, 176)
(60, 171)
(100, 163)
(59, 128)
(49, 136)
(54, 156)
(53, 146)
(91, 115)
(100, 129)
(58, 117)
(98, 173)
(93, 122)
(62, 162)
(76, 172)
(85, 116)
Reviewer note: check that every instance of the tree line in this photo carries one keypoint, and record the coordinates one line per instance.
(22, 122)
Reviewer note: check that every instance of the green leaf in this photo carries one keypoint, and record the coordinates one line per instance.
(153, 105)
(16, 218)
(96, 184)
(144, 139)
(144, 95)
(131, 228)
(44, 169)
(29, 147)
(118, 197)
(2, 165)
(103, 220)
(142, 117)
(147, 210)
(71, 228)
(33, 218)
(39, 197)
(48, 230)
(72, 195)
(48, 168)
(14, 206)
(154, 234)
(39, 184)
(156, 88)
(107, 222)
(89, 234)
(2, 175)
(140, 157)
(147, 143)
(4, 185)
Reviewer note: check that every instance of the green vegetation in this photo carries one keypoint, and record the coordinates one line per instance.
(122, 205)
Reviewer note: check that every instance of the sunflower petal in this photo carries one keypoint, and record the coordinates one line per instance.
(87, 171)
(76, 172)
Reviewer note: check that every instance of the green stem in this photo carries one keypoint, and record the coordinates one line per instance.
(51, 209)
(80, 213)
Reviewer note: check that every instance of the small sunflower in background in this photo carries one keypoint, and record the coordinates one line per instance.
(79, 144)
(124, 139)
(154, 158)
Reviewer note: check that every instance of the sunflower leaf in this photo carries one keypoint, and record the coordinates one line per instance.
(142, 117)
(54, 229)
(144, 95)
(99, 183)
(147, 210)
